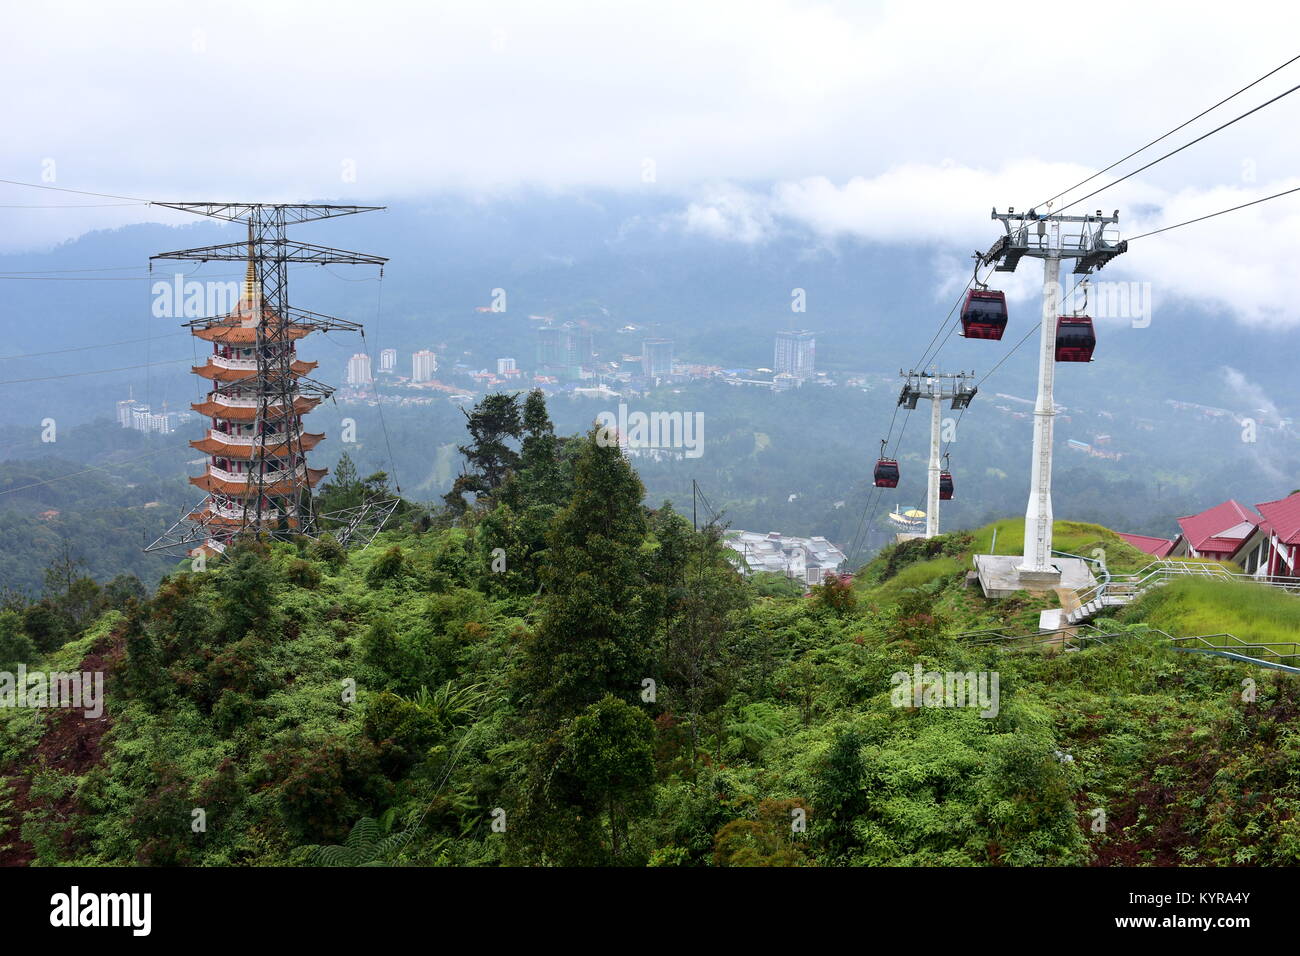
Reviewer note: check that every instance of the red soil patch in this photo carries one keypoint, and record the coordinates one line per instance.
(72, 743)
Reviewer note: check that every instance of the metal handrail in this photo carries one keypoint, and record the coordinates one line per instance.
(1265, 654)
(1160, 572)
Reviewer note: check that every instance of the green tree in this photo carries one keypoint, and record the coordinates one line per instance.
(15, 646)
(609, 758)
(493, 423)
(344, 489)
(542, 473)
(246, 594)
(46, 628)
(596, 623)
(701, 598)
(144, 676)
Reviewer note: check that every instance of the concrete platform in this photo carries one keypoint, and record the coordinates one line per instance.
(1051, 619)
(1000, 577)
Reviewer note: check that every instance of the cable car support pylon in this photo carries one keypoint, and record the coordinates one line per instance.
(937, 387)
(1049, 237)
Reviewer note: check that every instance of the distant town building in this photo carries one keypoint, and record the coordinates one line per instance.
(796, 353)
(388, 360)
(140, 417)
(359, 370)
(145, 420)
(125, 410)
(565, 350)
(657, 358)
(507, 366)
(423, 366)
(808, 560)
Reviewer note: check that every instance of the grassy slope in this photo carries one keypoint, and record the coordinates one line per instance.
(1072, 537)
(1251, 612)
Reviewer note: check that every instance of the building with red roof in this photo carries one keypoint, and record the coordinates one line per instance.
(1282, 525)
(1157, 547)
(1220, 533)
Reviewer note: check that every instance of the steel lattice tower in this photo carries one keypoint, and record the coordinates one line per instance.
(257, 479)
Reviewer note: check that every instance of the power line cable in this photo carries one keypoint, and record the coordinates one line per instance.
(47, 481)
(79, 192)
(86, 348)
(79, 205)
(99, 371)
(379, 400)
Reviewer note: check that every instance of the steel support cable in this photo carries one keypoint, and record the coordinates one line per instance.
(1221, 212)
(1174, 152)
(1170, 133)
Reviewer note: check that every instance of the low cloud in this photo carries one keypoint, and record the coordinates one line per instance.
(1238, 265)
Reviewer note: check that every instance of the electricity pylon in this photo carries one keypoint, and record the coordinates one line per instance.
(1039, 236)
(937, 387)
(259, 384)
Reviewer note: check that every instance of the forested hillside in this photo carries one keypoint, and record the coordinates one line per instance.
(544, 671)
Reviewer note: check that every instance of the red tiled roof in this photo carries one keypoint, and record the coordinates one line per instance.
(1283, 518)
(1158, 547)
(1203, 530)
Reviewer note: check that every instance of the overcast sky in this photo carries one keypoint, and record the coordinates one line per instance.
(887, 122)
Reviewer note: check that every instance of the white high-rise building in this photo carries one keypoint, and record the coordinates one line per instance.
(423, 365)
(387, 360)
(125, 408)
(144, 420)
(657, 358)
(359, 370)
(796, 353)
(507, 366)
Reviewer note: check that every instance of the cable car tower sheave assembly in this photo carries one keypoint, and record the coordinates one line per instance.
(256, 478)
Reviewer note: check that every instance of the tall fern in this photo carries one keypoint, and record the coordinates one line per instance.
(369, 844)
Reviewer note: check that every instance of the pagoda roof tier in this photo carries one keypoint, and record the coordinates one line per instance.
(212, 484)
(213, 517)
(248, 413)
(230, 333)
(219, 373)
(244, 450)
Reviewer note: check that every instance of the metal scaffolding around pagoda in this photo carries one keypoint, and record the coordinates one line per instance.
(275, 501)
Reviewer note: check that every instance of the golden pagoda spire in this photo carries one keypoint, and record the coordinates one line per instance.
(252, 292)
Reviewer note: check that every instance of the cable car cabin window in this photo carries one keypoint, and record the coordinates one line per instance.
(984, 314)
(886, 473)
(1075, 339)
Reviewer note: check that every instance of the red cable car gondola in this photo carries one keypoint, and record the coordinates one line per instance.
(984, 314)
(984, 310)
(945, 482)
(886, 472)
(1075, 338)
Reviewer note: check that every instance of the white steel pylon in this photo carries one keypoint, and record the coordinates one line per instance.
(937, 387)
(1040, 236)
